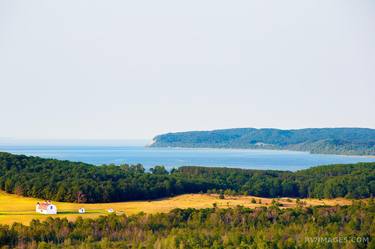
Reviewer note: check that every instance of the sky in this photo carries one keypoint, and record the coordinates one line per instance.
(78, 69)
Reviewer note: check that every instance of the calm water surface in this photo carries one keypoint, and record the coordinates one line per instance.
(174, 157)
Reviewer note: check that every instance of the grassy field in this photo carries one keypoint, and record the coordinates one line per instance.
(15, 208)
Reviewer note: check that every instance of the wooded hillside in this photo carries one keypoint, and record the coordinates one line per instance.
(79, 182)
(347, 141)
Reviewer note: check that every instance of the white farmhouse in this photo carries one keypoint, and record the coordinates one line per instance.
(46, 208)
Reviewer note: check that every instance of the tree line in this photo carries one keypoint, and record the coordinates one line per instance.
(60, 180)
(212, 228)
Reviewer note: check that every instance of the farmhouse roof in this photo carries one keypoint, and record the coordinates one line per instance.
(44, 205)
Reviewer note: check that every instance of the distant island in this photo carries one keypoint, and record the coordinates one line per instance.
(344, 141)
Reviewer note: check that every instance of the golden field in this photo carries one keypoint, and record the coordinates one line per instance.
(15, 208)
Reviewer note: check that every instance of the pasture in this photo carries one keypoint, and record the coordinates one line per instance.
(15, 208)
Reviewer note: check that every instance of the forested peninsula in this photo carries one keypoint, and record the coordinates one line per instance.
(345, 141)
(80, 182)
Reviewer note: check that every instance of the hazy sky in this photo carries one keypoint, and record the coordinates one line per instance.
(133, 69)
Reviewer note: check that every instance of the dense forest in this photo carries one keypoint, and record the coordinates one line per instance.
(346, 180)
(79, 182)
(212, 228)
(348, 141)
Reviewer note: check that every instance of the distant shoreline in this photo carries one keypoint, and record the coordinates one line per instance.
(172, 147)
(174, 157)
(258, 149)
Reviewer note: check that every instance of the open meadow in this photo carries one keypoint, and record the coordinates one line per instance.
(15, 208)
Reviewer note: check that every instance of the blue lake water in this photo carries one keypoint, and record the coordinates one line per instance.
(175, 157)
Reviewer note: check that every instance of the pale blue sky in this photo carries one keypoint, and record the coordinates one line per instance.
(133, 69)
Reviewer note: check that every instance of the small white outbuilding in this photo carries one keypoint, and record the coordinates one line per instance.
(45, 208)
(110, 210)
(81, 211)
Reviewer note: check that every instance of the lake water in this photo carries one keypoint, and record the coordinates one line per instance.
(175, 157)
